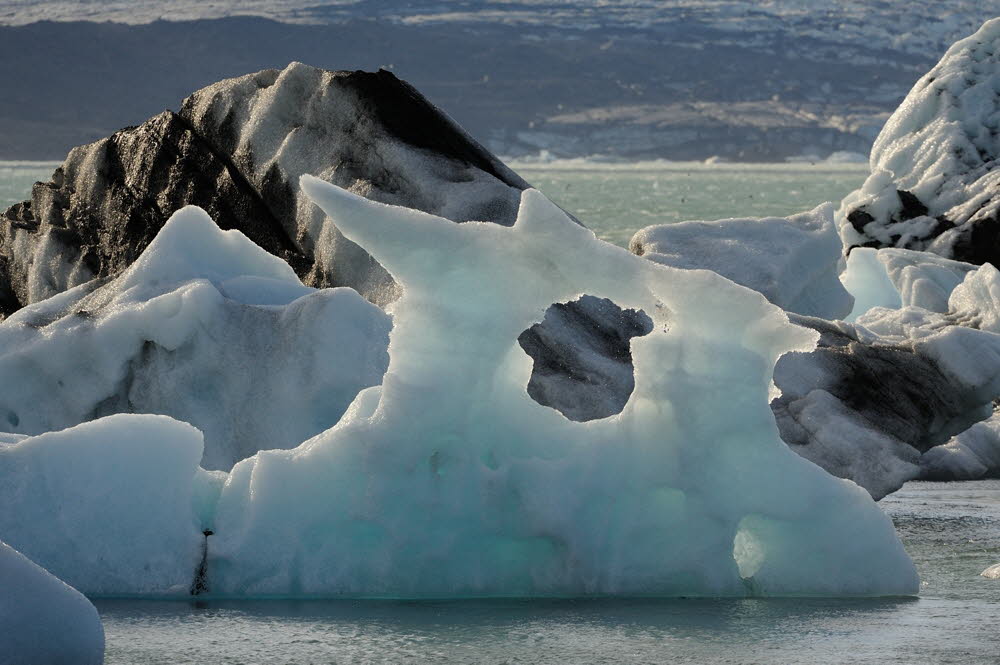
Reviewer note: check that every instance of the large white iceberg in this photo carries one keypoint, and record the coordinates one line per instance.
(205, 327)
(449, 480)
(44, 621)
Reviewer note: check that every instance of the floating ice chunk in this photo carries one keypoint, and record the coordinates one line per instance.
(923, 279)
(44, 621)
(108, 506)
(456, 482)
(793, 261)
(205, 327)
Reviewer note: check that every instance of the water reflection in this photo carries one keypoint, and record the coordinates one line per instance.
(702, 630)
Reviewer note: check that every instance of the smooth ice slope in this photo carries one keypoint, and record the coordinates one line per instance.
(109, 506)
(44, 621)
(205, 327)
(793, 261)
(450, 480)
(934, 182)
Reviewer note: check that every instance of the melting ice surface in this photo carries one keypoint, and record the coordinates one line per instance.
(448, 480)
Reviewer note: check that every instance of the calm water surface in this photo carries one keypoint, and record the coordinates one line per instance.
(952, 531)
(618, 200)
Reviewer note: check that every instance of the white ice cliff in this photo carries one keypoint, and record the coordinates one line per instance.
(44, 621)
(205, 327)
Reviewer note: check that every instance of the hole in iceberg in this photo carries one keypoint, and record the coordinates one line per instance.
(583, 358)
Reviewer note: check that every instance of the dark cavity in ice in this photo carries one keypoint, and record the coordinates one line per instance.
(583, 358)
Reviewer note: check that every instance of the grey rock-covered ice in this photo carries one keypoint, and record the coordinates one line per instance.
(367, 132)
(864, 408)
(793, 261)
(898, 394)
(237, 149)
(934, 182)
(582, 357)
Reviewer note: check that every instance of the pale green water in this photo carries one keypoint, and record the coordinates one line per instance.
(952, 531)
(16, 179)
(616, 201)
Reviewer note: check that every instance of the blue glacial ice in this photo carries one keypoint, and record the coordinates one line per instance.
(448, 479)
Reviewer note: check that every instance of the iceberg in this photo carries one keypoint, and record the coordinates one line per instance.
(889, 397)
(448, 480)
(44, 620)
(793, 261)
(236, 149)
(934, 182)
(205, 327)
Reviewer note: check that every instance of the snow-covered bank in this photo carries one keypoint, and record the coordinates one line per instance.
(44, 621)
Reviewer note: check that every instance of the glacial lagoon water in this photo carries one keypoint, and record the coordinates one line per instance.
(952, 531)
